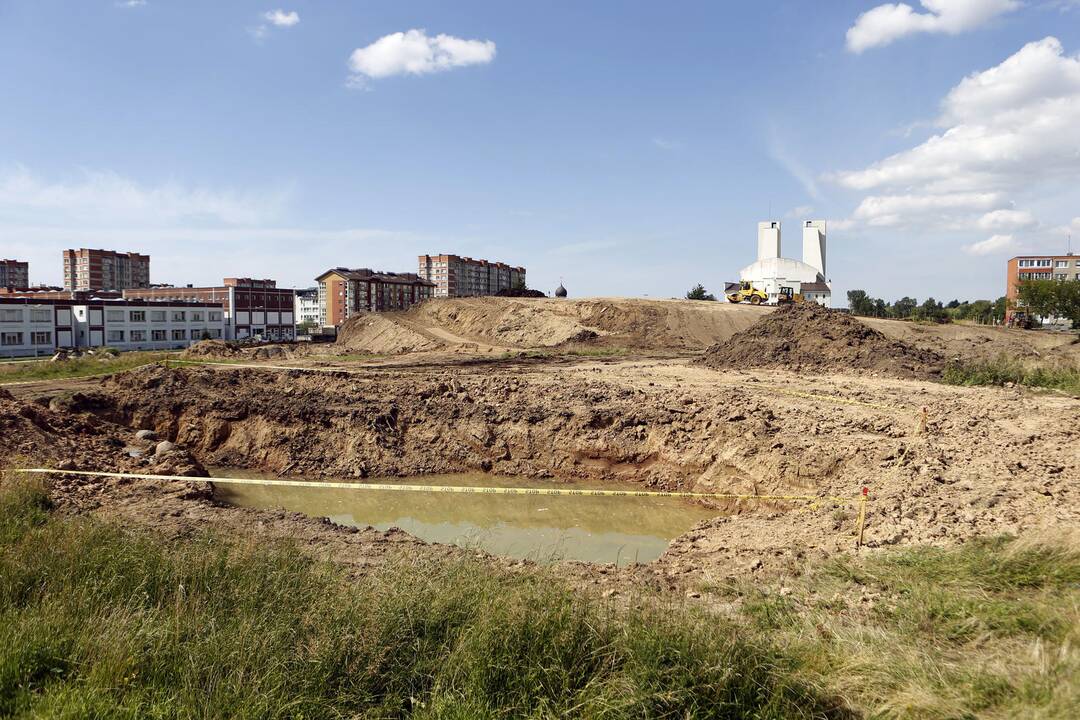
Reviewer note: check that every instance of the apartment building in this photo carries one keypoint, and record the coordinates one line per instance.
(253, 308)
(307, 307)
(89, 269)
(456, 276)
(14, 274)
(33, 326)
(344, 293)
(1037, 267)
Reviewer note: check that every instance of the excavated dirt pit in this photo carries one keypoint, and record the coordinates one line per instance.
(541, 528)
(981, 461)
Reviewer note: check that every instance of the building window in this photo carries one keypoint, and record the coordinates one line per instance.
(179, 316)
(157, 316)
(179, 334)
(114, 315)
(10, 315)
(11, 338)
(41, 338)
(38, 316)
(138, 336)
(1061, 276)
(137, 316)
(196, 316)
(1061, 263)
(158, 335)
(1042, 263)
(215, 316)
(116, 336)
(215, 333)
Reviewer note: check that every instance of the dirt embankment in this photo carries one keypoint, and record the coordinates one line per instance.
(808, 337)
(987, 462)
(504, 323)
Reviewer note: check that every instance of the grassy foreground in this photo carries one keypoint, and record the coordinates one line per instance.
(85, 366)
(96, 621)
(99, 622)
(1060, 375)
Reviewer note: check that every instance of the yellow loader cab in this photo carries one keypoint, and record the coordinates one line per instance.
(748, 293)
(789, 296)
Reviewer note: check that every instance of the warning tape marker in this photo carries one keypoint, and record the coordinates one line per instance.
(812, 500)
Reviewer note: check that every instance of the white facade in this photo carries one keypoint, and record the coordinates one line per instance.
(307, 307)
(770, 271)
(768, 240)
(149, 326)
(28, 330)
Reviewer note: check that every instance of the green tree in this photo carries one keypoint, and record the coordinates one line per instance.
(931, 309)
(880, 308)
(307, 327)
(860, 303)
(904, 308)
(698, 292)
(1000, 306)
(1039, 297)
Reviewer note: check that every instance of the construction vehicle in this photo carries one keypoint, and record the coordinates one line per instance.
(748, 293)
(788, 296)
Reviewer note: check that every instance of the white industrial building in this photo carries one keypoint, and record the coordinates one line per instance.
(770, 271)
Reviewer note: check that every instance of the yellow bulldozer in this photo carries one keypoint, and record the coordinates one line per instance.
(788, 296)
(748, 293)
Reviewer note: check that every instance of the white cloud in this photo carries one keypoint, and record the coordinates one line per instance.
(414, 53)
(1006, 220)
(280, 18)
(130, 3)
(1006, 131)
(94, 198)
(992, 245)
(783, 157)
(667, 144)
(886, 23)
(801, 212)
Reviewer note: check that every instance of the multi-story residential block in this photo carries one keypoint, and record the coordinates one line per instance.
(344, 293)
(253, 308)
(14, 274)
(33, 326)
(307, 307)
(1036, 267)
(89, 269)
(456, 276)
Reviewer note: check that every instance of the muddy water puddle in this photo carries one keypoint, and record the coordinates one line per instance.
(620, 530)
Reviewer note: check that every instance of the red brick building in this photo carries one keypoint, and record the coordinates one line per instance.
(1037, 267)
(252, 307)
(14, 274)
(89, 269)
(344, 293)
(456, 276)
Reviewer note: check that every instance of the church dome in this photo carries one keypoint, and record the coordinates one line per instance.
(560, 291)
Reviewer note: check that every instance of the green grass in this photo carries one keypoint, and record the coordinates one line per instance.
(1059, 375)
(99, 621)
(988, 629)
(85, 366)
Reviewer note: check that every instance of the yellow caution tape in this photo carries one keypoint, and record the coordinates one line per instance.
(813, 499)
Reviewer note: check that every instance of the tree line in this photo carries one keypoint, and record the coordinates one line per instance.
(909, 308)
(1037, 298)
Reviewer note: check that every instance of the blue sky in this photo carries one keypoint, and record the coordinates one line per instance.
(629, 148)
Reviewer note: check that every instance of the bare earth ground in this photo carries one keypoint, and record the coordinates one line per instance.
(984, 461)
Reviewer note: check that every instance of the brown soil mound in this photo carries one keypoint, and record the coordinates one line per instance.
(810, 337)
(212, 349)
(376, 334)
